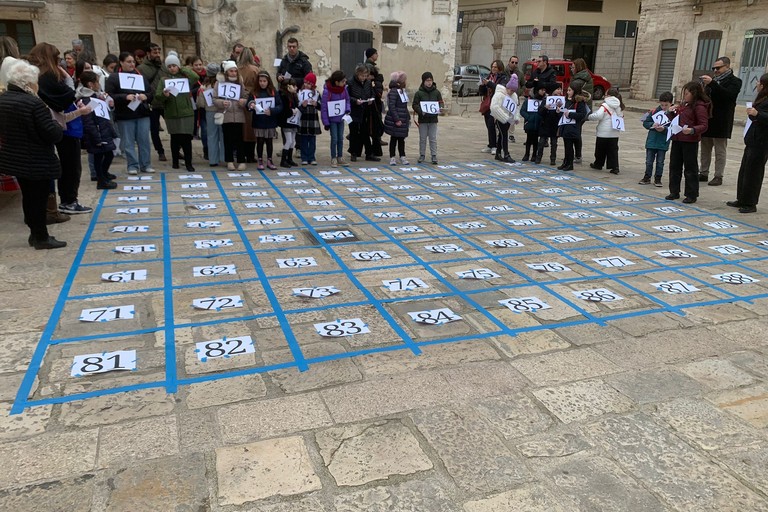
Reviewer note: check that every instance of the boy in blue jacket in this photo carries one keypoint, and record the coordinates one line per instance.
(656, 143)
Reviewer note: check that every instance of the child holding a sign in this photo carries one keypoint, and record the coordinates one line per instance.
(549, 116)
(504, 112)
(692, 120)
(657, 142)
(573, 113)
(230, 99)
(335, 107)
(289, 120)
(309, 126)
(755, 155)
(267, 107)
(398, 119)
(98, 132)
(173, 91)
(427, 103)
(530, 112)
(610, 122)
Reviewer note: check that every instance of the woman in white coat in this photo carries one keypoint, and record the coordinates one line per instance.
(505, 113)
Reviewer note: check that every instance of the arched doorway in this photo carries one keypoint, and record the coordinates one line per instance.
(481, 49)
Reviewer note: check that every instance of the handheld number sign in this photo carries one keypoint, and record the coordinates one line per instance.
(228, 91)
(131, 82)
(429, 107)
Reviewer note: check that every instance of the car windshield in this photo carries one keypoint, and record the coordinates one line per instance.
(484, 71)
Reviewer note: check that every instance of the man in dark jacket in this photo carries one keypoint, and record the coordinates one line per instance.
(543, 74)
(150, 68)
(295, 63)
(723, 88)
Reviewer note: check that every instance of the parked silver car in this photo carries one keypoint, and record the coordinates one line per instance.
(466, 78)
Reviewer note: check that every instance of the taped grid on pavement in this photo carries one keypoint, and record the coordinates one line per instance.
(190, 278)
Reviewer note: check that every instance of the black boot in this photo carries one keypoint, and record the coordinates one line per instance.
(284, 159)
(289, 158)
(48, 243)
(527, 153)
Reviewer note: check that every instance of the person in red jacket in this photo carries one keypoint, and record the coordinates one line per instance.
(693, 117)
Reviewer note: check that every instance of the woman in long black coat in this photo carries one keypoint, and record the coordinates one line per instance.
(28, 134)
(755, 155)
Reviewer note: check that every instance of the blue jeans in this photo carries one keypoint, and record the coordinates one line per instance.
(133, 133)
(308, 146)
(650, 155)
(337, 139)
(215, 139)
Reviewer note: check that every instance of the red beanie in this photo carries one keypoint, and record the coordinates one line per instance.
(311, 78)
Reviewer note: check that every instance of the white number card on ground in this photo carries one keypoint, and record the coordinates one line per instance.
(130, 229)
(612, 261)
(300, 262)
(105, 362)
(434, 316)
(135, 249)
(549, 266)
(318, 292)
(131, 82)
(404, 284)
(443, 248)
(214, 270)
(371, 256)
(675, 253)
(261, 105)
(210, 244)
(204, 224)
(430, 107)
(477, 273)
(228, 91)
(597, 295)
(225, 347)
(525, 304)
(675, 287)
(125, 276)
(218, 303)
(736, 278)
(504, 242)
(107, 314)
(340, 328)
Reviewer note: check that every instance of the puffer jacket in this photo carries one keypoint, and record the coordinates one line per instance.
(234, 113)
(584, 79)
(122, 112)
(359, 91)
(573, 131)
(757, 135)
(427, 94)
(397, 110)
(655, 139)
(498, 111)
(333, 93)
(28, 133)
(180, 105)
(99, 134)
(603, 115)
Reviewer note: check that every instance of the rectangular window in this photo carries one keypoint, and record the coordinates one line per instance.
(21, 31)
(390, 34)
(585, 5)
(87, 40)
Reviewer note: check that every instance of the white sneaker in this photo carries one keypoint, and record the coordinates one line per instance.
(133, 171)
(334, 162)
(148, 170)
(313, 162)
(393, 161)
(486, 150)
(241, 167)
(493, 151)
(403, 160)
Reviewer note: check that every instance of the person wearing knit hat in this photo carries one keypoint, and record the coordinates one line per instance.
(212, 69)
(172, 59)
(428, 95)
(178, 112)
(372, 54)
(227, 65)
(312, 79)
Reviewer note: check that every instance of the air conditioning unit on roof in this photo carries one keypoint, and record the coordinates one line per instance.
(171, 18)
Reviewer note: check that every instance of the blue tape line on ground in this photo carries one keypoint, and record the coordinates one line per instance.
(22, 395)
(170, 334)
(290, 337)
(94, 394)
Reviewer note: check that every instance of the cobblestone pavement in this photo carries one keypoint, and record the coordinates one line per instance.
(657, 401)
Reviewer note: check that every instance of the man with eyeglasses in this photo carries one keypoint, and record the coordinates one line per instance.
(723, 88)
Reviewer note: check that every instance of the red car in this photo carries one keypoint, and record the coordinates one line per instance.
(563, 70)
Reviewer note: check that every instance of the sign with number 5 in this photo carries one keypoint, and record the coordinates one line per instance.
(336, 108)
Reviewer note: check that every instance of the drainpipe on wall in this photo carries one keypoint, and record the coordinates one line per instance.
(196, 27)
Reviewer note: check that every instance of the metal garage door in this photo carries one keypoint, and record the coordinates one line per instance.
(666, 71)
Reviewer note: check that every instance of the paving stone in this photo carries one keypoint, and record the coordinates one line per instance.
(718, 374)
(197, 431)
(387, 395)
(107, 409)
(657, 322)
(361, 453)
(470, 450)
(669, 468)
(48, 457)
(707, 426)
(598, 484)
(564, 366)
(29, 314)
(719, 313)
(751, 361)
(225, 391)
(534, 498)
(328, 373)
(412, 496)
(170, 484)
(9, 385)
(17, 350)
(69, 495)
(432, 356)
(250, 472)
(533, 342)
(143, 439)
(591, 333)
(554, 445)
(484, 379)
(578, 401)
(653, 385)
(268, 418)
(750, 404)
(33, 420)
(514, 416)
(308, 504)
(751, 333)
(750, 464)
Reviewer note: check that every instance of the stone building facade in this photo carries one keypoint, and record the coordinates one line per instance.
(679, 40)
(591, 29)
(413, 36)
